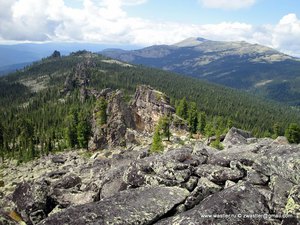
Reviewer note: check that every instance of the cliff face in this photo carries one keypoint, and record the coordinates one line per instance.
(148, 106)
(141, 115)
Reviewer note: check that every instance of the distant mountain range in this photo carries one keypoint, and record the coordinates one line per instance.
(13, 57)
(240, 65)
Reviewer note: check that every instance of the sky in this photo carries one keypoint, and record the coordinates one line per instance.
(274, 23)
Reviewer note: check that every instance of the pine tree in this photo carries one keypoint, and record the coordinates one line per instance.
(292, 133)
(182, 109)
(101, 115)
(83, 131)
(276, 130)
(71, 128)
(165, 123)
(193, 118)
(157, 145)
(202, 122)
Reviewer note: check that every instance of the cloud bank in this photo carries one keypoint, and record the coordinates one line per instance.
(227, 4)
(106, 21)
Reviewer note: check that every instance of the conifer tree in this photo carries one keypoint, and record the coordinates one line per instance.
(165, 123)
(101, 115)
(182, 109)
(193, 118)
(202, 122)
(71, 128)
(83, 131)
(157, 145)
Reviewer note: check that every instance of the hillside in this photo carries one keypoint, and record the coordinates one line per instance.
(38, 93)
(240, 65)
(16, 56)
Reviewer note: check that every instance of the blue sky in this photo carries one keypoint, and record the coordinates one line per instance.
(274, 23)
(191, 11)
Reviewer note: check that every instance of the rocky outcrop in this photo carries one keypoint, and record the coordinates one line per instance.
(250, 182)
(119, 119)
(148, 106)
(80, 77)
(142, 115)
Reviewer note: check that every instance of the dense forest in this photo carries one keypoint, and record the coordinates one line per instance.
(38, 117)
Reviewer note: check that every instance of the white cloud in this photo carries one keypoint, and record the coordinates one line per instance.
(105, 21)
(227, 4)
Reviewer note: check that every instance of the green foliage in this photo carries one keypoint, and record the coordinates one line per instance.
(276, 130)
(165, 123)
(193, 117)
(217, 144)
(202, 122)
(182, 109)
(71, 128)
(44, 119)
(83, 131)
(292, 133)
(1, 142)
(101, 115)
(157, 145)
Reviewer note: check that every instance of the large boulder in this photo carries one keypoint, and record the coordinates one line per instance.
(245, 154)
(236, 136)
(31, 201)
(219, 174)
(137, 206)
(282, 160)
(234, 205)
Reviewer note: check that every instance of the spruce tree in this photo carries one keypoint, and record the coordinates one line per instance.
(83, 131)
(193, 118)
(182, 109)
(202, 122)
(71, 128)
(157, 145)
(101, 115)
(165, 123)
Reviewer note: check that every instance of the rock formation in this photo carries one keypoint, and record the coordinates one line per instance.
(148, 106)
(251, 182)
(142, 115)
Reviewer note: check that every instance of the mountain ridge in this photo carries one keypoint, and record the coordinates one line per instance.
(241, 65)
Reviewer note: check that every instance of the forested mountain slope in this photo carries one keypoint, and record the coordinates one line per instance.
(38, 103)
(240, 65)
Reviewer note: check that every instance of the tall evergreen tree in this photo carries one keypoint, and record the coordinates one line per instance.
(165, 123)
(101, 115)
(71, 128)
(157, 145)
(83, 131)
(202, 122)
(193, 118)
(182, 109)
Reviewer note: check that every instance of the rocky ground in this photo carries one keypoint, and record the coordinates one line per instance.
(251, 181)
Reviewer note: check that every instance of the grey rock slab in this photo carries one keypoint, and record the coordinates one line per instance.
(218, 174)
(136, 206)
(282, 160)
(238, 201)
